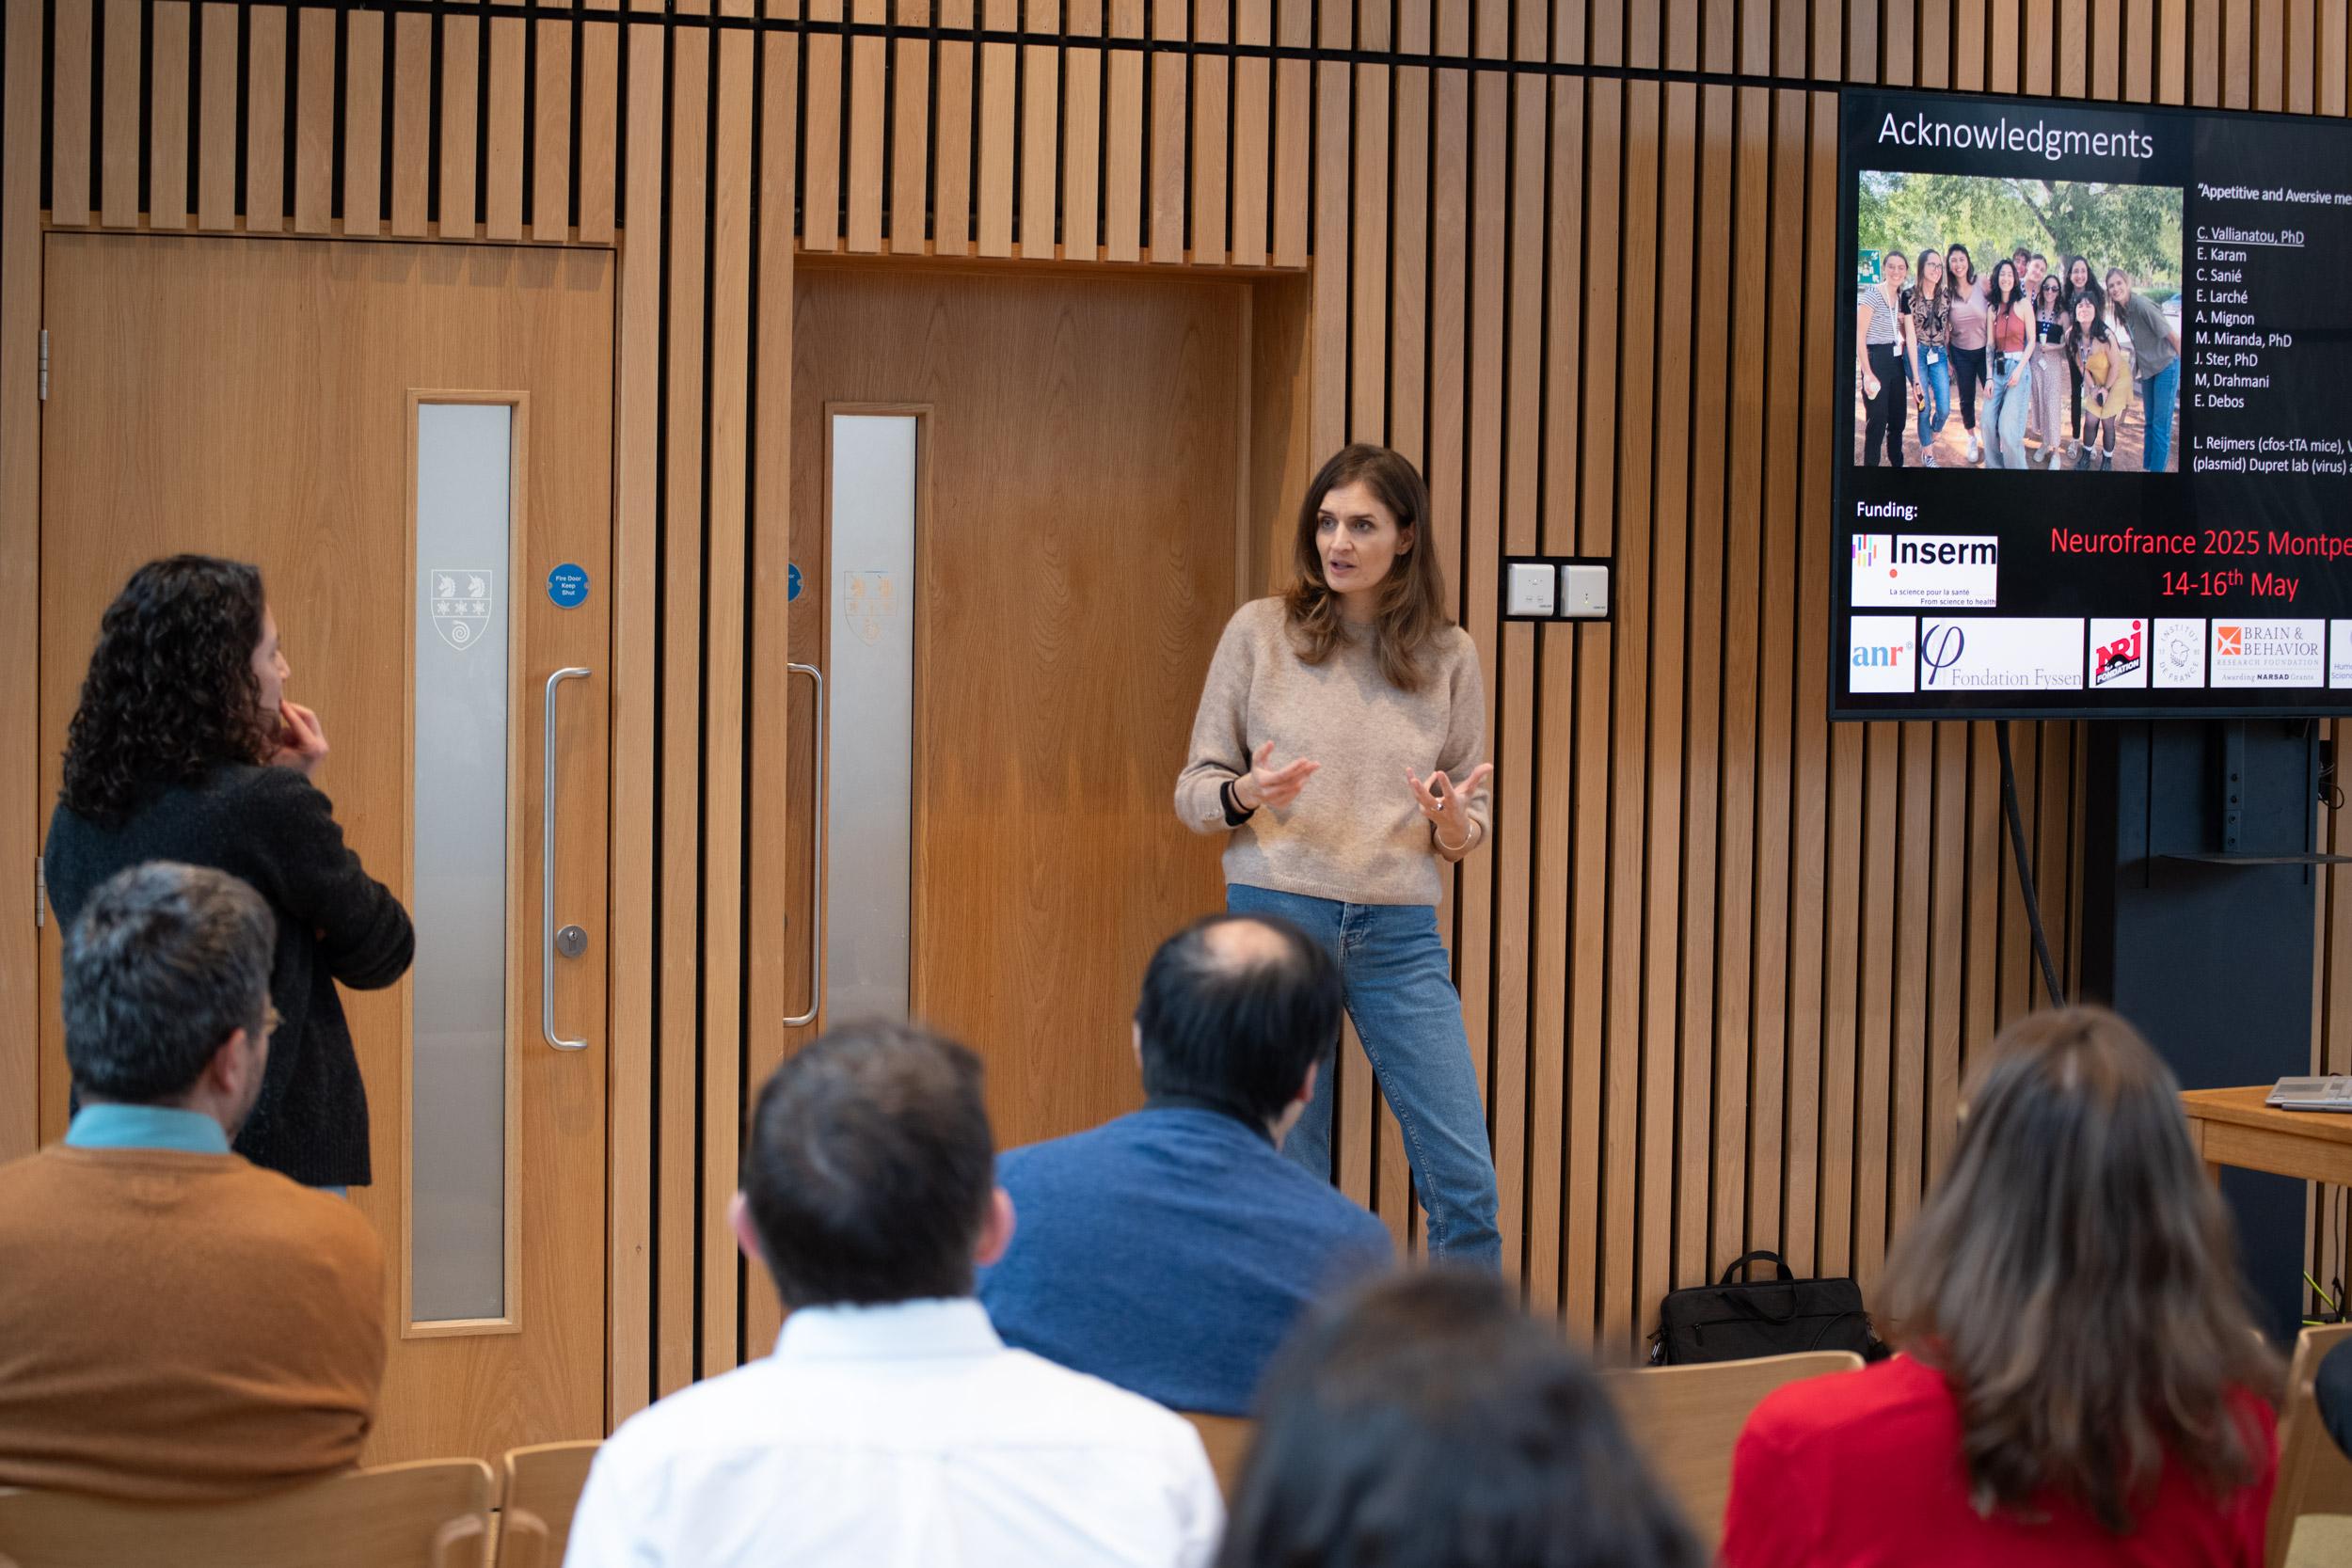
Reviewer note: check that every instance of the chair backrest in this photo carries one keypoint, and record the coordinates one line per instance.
(2314, 1477)
(431, 1514)
(1227, 1438)
(542, 1487)
(1687, 1419)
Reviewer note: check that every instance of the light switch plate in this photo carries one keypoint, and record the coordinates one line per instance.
(1531, 589)
(1584, 591)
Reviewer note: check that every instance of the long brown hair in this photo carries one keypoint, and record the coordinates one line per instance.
(2074, 1278)
(1411, 608)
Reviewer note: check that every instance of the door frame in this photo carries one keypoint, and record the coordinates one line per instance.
(629, 695)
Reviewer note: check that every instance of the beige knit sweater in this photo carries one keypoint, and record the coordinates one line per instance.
(1354, 834)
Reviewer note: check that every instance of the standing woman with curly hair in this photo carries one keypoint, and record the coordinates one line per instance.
(1337, 746)
(184, 748)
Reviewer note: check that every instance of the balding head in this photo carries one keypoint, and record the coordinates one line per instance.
(1238, 1010)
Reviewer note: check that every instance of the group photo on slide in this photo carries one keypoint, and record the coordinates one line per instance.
(2016, 323)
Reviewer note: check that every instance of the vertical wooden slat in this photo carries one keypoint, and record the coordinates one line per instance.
(1935, 43)
(2172, 50)
(363, 123)
(1513, 746)
(1678, 1053)
(2073, 50)
(167, 116)
(1041, 175)
(1123, 167)
(1947, 945)
(2333, 59)
(1253, 137)
(1898, 48)
(2268, 56)
(728, 434)
(2299, 57)
(19, 550)
(2140, 63)
(951, 151)
(314, 122)
(869, 112)
(599, 122)
(265, 120)
(1164, 174)
(911, 135)
(1721, 1146)
(118, 144)
(1292, 90)
(821, 127)
(1082, 133)
(551, 136)
(1968, 46)
(1600, 1254)
(1881, 799)
(1752, 922)
(1552, 1141)
(1368, 389)
(461, 68)
(502, 177)
(216, 109)
(999, 64)
(639, 1373)
(412, 128)
(2005, 56)
(70, 116)
(2040, 63)
(685, 1234)
(1211, 176)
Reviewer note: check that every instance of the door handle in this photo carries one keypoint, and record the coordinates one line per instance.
(817, 859)
(547, 873)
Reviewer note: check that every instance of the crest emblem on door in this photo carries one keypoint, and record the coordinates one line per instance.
(867, 600)
(461, 604)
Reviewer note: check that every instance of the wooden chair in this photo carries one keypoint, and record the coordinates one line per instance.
(431, 1515)
(1686, 1421)
(1227, 1438)
(542, 1488)
(2314, 1477)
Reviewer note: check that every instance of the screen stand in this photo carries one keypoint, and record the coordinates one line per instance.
(2199, 875)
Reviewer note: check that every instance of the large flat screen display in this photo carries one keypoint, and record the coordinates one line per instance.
(2094, 446)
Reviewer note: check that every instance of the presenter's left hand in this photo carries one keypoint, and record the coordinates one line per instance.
(1446, 805)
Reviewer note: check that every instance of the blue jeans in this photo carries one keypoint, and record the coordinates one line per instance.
(1400, 992)
(2158, 393)
(1935, 380)
(2005, 415)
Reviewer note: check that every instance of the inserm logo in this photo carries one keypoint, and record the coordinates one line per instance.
(1944, 571)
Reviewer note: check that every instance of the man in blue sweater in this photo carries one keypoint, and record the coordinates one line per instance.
(1169, 1251)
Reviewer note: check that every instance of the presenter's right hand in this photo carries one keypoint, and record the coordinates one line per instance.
(1268, 786)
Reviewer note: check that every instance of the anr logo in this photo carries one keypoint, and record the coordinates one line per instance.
(1880, 654)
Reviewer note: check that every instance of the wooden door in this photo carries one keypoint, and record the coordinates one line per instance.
(1081, 478)
(261, 399)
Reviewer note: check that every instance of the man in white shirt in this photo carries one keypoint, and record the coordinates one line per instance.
(891, 1428)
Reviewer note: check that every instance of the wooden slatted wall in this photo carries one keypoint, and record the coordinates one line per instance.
(1725, 964)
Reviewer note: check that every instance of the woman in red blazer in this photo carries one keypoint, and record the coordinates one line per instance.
(2080, 1381)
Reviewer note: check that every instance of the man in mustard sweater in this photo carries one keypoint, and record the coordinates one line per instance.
(176, 1324)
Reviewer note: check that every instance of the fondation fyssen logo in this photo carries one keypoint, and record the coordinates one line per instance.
(462, 598)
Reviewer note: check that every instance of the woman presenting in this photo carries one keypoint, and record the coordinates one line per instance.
(1337, 744)
(184, 748)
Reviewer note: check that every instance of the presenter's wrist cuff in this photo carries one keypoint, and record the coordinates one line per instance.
(1235, 813)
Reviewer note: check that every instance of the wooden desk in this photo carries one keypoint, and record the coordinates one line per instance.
(2232, 1127)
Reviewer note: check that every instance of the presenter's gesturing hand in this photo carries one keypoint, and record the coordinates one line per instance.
(1268, 786)
(301, 740)
(1446, 805)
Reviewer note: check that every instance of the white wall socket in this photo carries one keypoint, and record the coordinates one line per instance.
(1531, 589)
(1584, 591)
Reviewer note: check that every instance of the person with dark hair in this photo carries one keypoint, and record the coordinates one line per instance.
(2104, 380)
(1926, 332)
(1170, 1250)
(890, 1425)
(2053, 315)
(1971, 317)
(2081, 1382)
(2080, 280)
(1428, 1422)
(185, 747)
(1371, 697)
(2007, 369)
(176, 1324)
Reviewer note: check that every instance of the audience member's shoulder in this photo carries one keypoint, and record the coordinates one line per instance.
(1056, 1155)
(1084, 1407)
(1844, 1404)
(274, 1203)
